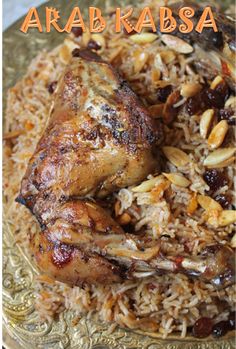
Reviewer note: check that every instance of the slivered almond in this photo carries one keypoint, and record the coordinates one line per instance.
(124, 219)
(227, 217)
(218, 157)
(208, 203)
(205, 122)
(176, 156)
(143, 38)
(192, 205)
(65, 54)
(12, 134)
(147, 185)
(233, 241)
(168, 56)
(70, 44)
(117, 208)
(190, 89)
(218, 79)
(231, 102)
(177, 179)
(146, 255)
(140, 59)
(176, 43)
(217, 135)
(225, 163)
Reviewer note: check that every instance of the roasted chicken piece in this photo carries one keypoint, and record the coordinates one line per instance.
(99, 138)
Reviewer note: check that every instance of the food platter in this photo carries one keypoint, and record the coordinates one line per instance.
(21, 321)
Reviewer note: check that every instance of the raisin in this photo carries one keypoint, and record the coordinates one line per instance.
(75, 52)
(163, 93)
(193, 105)
(215, 179)
(93, 45)
(220, 329)
(212, 98)
(232, 320)
(202, 327)
(86, 54)
(223, 89)
(52, 87)
(228, 115)
(77, 31)
(224, 200)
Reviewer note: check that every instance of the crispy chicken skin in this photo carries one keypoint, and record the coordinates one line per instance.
(99, 138)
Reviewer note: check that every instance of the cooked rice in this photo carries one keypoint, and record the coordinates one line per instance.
(155, 303)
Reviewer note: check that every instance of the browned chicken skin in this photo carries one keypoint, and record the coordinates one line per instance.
(99, 138)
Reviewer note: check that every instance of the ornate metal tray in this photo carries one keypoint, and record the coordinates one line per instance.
(21, 326)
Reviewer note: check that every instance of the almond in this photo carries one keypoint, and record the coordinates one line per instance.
(176, 156)
(177, 179)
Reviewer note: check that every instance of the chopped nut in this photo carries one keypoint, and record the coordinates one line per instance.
(219, 157)
(190, 90)
(218, 79)
(205, 122)
(217, 135)
(170, 112)
(140, 59)
(233, 241)
(147, 185)
(227, 217)
(143, 38)
(176, 156)
(176, 43)
(12, 134)
(208, 203)
(177, 179)
(193, 204)
(124, 219)
(231, 102)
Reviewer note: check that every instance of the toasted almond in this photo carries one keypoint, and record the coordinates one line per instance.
(227, 217)
(147, 185)
(205, 122)
(168, 56)
(117, 208)
(218, 156)
(217, 135)
(140, 58)
(176, 156)
(12, 134)
(100, 40)
(231, 102)
(65, 54)
(225, 163)
(156, 74)
(86, 37)
(124, 219)
(190, 89)
(192, 204)
(233, 241)
(177, 179)
(176, 43)
(218, 79)
(70, 44)
(143, 38)
(208, 203)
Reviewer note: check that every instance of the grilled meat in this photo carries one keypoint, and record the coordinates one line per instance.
(99, 138)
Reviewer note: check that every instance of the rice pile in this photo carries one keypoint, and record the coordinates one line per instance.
(166, 303)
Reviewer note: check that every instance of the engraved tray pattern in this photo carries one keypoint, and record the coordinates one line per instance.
(20, 320)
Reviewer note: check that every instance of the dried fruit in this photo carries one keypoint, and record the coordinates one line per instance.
(163, 93)
(218, 157)
(177, 179)
(99, 40)
(190, 89)
(176, 43)
(143, 38)
(213, 98)
(147, 185)
(215, 179)
(217, 135)
(205, 122)
(228, 115)
(202, 327)
(52, 86)
(77, 31)
(93, 45)
(176, 156)
(227, 217)
(208, 203)
(220, 329)
(224, 200)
